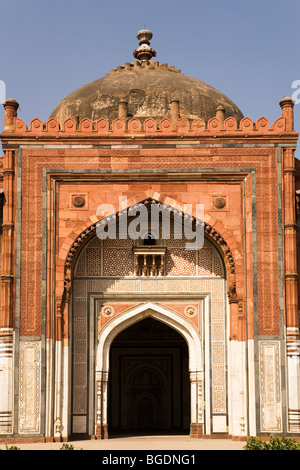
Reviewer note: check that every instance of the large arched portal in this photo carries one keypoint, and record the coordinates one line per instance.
(121, 285)
(149, 372)
(149, 387)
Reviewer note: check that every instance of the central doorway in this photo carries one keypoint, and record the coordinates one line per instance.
(149, 389)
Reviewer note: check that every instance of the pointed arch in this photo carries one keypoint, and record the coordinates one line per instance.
(165, 315)
(86, 233)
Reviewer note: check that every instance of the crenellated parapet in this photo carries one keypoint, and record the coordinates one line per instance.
(166, 127)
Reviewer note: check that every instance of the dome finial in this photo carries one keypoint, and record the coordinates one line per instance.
(144, 52)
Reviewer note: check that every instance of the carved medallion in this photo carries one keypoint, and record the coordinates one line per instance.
(190, 310)
(219, 202)
(107, 311)
(78, 201)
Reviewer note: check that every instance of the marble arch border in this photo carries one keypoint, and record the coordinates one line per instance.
(158, 312)
(172, 319)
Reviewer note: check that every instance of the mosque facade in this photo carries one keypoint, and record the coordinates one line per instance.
(149, 263)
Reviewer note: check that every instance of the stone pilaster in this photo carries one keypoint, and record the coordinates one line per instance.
(237, 364)
(58, 376)
(7, 275)
(291, 275)
(101, 407)
(197, 412)
(6, 295)
(6, 381)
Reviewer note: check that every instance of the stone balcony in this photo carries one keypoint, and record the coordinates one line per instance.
(149, 261)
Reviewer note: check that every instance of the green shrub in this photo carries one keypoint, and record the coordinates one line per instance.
(11, 447)
(67, 447)
(275, 443)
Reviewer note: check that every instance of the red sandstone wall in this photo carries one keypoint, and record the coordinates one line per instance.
(228, 222)
(250, 230)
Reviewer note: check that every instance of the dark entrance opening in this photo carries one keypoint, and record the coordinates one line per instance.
(149, 390)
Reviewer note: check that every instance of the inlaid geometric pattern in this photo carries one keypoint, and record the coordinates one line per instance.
(209, 261)
(270, 386)
(217, 269)
(217, 332)
(205, 260)
(218, 345)
(115, 258)
(30, 387)
(117, 262)
(80, 347)
(80, 269)
(93, 262)
(181, 262)
(118, 243)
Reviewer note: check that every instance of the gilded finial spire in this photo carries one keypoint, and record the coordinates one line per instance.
(144, 52)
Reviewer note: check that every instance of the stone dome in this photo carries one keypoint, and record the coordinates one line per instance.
(148, 88)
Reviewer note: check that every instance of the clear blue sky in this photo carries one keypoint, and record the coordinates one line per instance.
(248, 49)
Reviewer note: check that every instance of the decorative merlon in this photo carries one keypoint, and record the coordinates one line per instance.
(183, 127)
